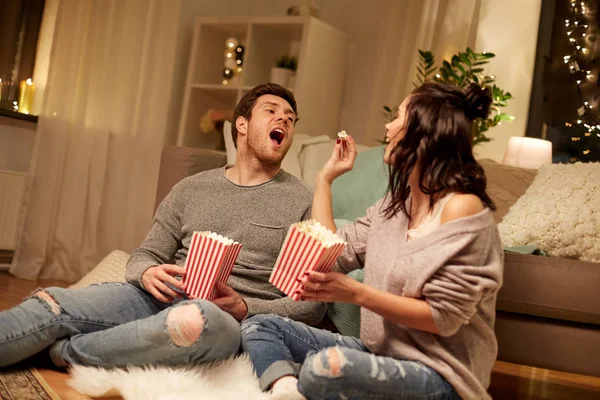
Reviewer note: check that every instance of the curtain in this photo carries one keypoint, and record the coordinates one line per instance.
(100, 132)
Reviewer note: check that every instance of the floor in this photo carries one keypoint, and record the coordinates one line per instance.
(509, 381)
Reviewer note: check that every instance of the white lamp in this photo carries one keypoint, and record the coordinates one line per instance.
(528, 152)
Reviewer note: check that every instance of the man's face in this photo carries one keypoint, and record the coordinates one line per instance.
(270, 129)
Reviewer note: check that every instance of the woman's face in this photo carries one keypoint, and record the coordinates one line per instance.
(395, 131)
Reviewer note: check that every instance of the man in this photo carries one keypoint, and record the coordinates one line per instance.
(149, 320)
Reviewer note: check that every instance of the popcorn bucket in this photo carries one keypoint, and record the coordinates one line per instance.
(210, 260)
(308, 246)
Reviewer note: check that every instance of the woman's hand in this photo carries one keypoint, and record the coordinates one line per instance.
(330, 287)
(341, 160)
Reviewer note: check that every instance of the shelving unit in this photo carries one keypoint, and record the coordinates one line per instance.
(320, 49)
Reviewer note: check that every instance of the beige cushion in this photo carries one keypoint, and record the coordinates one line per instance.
(505, 184)
(110, 269)
(177, 163)
(550, 287)
(558, 213)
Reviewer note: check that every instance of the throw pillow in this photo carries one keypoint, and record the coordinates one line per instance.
(346, 316)
(290, 162)
(558, 213)
(505, 184)
(110, 269)
(362, 187)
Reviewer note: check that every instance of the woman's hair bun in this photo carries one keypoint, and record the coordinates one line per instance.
(479, 101)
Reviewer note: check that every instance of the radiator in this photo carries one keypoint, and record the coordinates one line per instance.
(12, 189)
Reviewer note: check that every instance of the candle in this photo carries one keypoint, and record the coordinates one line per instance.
(26, 96)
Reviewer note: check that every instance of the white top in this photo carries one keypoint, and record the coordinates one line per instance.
(431, 221)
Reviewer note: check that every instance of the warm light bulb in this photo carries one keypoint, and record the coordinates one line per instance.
(569, 33)
(29, 82)
(586, 103)
(572, 40)
(438, 75)
(579, 121)
(578, 47)
(578, 81)
(583, 34)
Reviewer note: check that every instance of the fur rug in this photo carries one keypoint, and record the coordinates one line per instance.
(227, 380)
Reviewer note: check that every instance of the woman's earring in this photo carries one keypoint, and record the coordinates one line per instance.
(387, 139)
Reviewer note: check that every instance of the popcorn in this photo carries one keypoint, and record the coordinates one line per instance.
(210, 260)
(308, 246)
(342, 135)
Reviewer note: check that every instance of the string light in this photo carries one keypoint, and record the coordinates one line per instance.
(576, 32)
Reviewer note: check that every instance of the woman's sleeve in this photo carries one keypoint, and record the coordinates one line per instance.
(356, 235)
(455, 291)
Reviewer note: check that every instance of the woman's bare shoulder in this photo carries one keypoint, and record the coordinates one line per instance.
(460, 206)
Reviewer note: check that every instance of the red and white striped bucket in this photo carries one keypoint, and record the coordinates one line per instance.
(301, 252)
(209, 260)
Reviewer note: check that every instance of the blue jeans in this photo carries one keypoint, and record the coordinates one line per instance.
(331, 366)
(114, 325)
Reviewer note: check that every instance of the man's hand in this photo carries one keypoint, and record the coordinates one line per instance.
(154, 279)
(231, 302)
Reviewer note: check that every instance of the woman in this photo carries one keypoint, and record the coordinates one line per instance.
(433, 261)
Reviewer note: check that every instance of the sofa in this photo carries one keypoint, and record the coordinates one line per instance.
(548, 312)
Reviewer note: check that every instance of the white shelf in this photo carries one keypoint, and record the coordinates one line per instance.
(320, 49)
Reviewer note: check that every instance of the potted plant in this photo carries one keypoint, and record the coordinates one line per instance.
(285, 67)
(461, 70)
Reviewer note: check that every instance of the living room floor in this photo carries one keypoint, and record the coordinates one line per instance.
(509, 381)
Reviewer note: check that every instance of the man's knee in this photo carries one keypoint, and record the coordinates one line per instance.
(185, 324)
(201, 323)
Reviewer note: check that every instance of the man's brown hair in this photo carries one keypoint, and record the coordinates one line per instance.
(245, 105)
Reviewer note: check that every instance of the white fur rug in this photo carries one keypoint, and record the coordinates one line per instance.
(227, 380)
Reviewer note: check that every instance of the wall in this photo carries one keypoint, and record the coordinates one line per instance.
(361, 22)
(383, 35)
(509, 29)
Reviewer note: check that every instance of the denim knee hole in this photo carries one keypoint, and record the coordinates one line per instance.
(47, 300)
(185, 324)
(329, 363)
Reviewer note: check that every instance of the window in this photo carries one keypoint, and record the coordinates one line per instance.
(20, 22)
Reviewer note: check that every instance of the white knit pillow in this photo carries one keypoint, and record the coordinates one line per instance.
(559, 212)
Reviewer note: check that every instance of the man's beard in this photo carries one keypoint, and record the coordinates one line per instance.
(263, 153)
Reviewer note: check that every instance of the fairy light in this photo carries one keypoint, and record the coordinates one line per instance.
(577, 35)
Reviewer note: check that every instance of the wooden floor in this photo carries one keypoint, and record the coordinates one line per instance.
(509, 381)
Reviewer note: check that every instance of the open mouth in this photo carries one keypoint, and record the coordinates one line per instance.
(277, 135)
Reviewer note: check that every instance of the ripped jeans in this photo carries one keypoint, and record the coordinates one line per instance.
(114, 325)
(331, 366)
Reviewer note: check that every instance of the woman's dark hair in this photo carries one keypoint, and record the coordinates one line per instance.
(438, 125)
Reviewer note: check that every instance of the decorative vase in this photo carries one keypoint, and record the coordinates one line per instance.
(281, 76)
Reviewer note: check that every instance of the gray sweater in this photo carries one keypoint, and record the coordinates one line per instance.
(457, 269)
(256, 216)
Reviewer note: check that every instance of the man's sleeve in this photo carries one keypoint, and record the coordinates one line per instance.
(161, 243)
(309, 312)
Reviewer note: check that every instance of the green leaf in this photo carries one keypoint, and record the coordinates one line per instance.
(487, 56)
